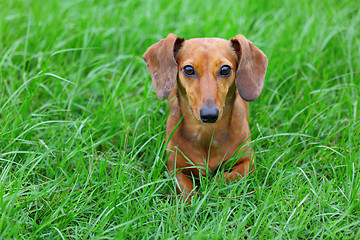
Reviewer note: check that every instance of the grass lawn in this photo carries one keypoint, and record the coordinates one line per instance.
(82, 152)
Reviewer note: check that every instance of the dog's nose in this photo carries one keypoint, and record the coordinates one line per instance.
(209, 114)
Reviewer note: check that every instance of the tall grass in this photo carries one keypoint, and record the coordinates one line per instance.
(82, 132)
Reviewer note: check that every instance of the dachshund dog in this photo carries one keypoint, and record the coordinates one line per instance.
(208, 82)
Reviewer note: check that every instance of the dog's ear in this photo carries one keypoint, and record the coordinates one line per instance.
(251, 69)
(161, 63)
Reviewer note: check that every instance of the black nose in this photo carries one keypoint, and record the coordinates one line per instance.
(209, 114)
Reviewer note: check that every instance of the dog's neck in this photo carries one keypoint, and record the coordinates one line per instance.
(205, 135)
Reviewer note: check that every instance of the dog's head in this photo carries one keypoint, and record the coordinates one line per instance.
(207, 69)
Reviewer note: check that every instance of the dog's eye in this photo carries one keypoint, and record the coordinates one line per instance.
(225, 71)
(189, 71)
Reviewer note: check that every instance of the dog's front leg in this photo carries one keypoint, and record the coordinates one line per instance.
(184, 184)
(240, 170)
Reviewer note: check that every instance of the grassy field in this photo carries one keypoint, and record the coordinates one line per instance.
(82, 152)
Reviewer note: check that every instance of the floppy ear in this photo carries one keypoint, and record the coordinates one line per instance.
(161, 63)
(251, 68)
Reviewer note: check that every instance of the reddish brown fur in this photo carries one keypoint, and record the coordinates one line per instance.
(194, 144)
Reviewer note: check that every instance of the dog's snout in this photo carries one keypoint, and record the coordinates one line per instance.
(209, 114)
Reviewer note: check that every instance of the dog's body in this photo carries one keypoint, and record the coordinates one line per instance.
(208, 81)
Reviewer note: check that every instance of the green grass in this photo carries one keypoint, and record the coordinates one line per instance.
(82, 152)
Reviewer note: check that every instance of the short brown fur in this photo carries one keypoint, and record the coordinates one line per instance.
(195, 144)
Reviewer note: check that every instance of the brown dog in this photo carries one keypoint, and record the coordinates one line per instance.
(209, 82)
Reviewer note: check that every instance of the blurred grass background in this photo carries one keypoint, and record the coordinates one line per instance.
(82, 132)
